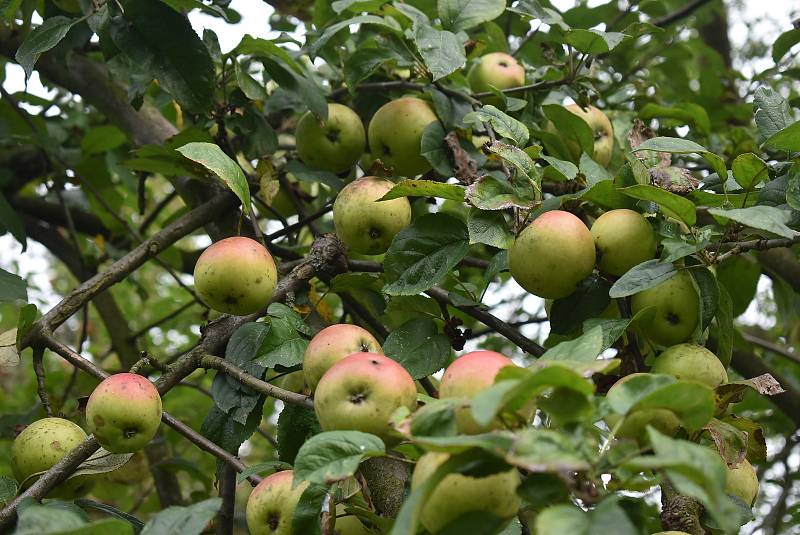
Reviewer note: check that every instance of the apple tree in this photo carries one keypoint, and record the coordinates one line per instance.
(421, 266)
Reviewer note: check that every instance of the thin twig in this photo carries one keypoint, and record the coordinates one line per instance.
(685, 11)
(38, 369)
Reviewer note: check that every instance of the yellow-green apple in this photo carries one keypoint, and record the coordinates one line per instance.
(742, 482)
(458, 494)
(124, 412)
(364, 224)
(468, 375)
(634, 424)
(361, 392)
(41, 445)
(271, 504)
(691, 362)
(348, 524)
(395, 134)
(331, 345)
(496, 69)
(236, 275)
(334, 144)
(552, 255)
(623, 239)
(676, 313)
(602, 131)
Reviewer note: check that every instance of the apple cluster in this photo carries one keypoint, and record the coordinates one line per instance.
(123, 413)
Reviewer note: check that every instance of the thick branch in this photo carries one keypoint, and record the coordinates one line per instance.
(680, 513)
(683, 12)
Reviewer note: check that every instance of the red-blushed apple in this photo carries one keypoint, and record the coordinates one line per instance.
(395, 135)
(331, 345)
(271, 504)
(334, 144)
(623, 239)
(465, 377)
(364, 224)
(677, 310)
(496, 69)
(236, 275)
(634, 425)
(41, 445)
(602, 131)
(552, 255)
(124, 412)
(458, 494)
(691, 362)
(361, 392)
(742, 482)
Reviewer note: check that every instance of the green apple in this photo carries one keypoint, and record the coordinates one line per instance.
(361, 392)
(676, 313)
(331, 345)
(124, 412)
(468, 375)
(496, 69)
(41, 445)
(236, 276)
(601, 128)
(623, 239)
(691, 362)
(395, 135)
(552, 255)
(271, 504)
(365, 225)
(458, 494)
(334, 144)
(742, 482)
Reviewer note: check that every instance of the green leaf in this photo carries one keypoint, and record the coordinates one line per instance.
(786, 139)
(12, 287)
(489, 227)
(749, 170)
(357, 5)
(425, 188)
(191, 520)
(103, 138)
(760, 217)
(332, 456)
(676, 145)
(434, 149)
(584, 348)
(422, 255)
(566, 170)
(491, 193)
(570, 127)
(686, 113)
(730, 441)
(546, 450)
(8, 489)
(671, 204)
(308, 91)
(210, 156)
(459, 15)
(533, 9)
(695, 471)
(365, 61)
(784, 43)
(388, 23)
(593, 171)
(503, 124)
(639, 278)
(41, 39)
(161, 42)
(264, 48)
(419, 347)
(607, 517)
(725, 326)
(306, 517)
(251, 87)
(283, 346)
(523, 163)
(594, 41)
(442, 51)
(302, 172)
(101, 462)
(296, 424)
(12, 223)
(436, 418)
(111, 511)
(771, 111)
(709, 294)
(589, 300)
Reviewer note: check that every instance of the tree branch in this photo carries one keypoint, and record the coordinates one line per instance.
(683, 12)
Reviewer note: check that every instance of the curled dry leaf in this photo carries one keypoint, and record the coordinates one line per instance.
(465, 168)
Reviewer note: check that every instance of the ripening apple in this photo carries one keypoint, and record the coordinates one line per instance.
(552, 255)
(496, 69)
(742, 482)
(124, 412)
(236, 276)
(691, 362)
(361, 392)
(601, 128)
(334, 144)
(677, 310)
(623, 239)
(365, 225)
(458, 494)
(271, 504)
(41, 445)
(634, 425)
(331, 345)
(468, 375)
(395, 135)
